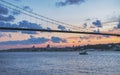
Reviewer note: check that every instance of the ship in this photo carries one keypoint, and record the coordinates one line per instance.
(84, 52)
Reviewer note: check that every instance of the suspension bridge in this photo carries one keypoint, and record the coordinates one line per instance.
(73, 28)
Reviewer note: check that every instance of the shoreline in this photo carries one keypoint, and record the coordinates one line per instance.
(55, 50)
(98, 47)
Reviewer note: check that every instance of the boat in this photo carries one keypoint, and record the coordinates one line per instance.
(83, 53)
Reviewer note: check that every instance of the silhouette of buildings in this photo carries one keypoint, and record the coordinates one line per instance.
(48, 46)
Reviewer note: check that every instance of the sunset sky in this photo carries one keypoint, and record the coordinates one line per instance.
(84, 15)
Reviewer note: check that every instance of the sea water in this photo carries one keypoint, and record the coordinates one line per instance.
(60, 63)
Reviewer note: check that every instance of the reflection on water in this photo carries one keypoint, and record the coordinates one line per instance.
(60, 63)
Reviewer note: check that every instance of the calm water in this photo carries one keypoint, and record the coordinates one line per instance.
(60, 63)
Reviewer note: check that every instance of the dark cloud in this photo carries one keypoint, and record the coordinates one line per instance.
(48, 28)
(4, 14)
(57, 40)
(61, 27)
(32, 40)
(22, 24)
(69, 2)
(96, 31)
(26, 24)
(118, 26)
(97, 23)
(16, 12)
(85, 25)
(27, 8)
(8, 18)
(5, 20)
(3, 24)
(3, 10)
(9, 25)
(28, 32)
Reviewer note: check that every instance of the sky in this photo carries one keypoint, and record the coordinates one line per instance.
(85, 15)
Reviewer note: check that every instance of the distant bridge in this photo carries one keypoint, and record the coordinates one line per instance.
(58, 31)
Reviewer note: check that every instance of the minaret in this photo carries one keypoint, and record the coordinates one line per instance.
(48, 46)
(33, 46)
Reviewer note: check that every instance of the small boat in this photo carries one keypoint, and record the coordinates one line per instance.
(83, 52)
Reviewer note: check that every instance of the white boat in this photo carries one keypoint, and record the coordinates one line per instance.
(84, 52)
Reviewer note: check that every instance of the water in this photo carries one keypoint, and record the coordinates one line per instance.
(60, 63)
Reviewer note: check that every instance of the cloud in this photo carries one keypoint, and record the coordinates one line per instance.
(28, 32)
(32, 40)
(22, 24)
(5, 35)
(9, 25)
(2, 35)
(8, 18)
(96, 31)
(61, 27)
(48, 28)
(118, 26)
(26, 24)
(57, 40)
(29, 41)
(3, 24)
(27, 8)
(16, 12)
(88, 19)
(4, 16)
(97, 23)
(69, 2)
(5, 20)
(3, 10)
(113, 18)
(85, 25)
